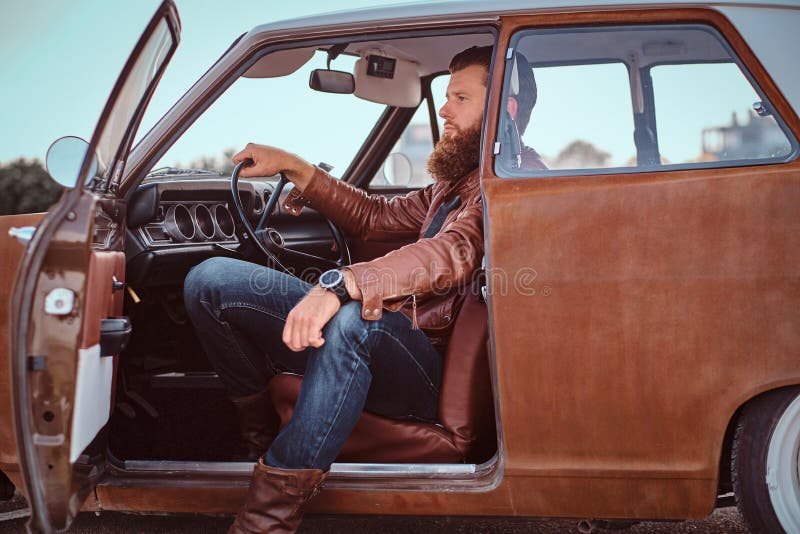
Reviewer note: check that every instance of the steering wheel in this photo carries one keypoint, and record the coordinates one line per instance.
(269, 241)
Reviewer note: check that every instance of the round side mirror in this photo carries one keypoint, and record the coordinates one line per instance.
(397, 169)
(64, 159)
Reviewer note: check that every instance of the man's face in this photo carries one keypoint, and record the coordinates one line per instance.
(466, 96)
(458, 151)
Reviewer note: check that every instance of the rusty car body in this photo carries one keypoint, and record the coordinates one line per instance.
(654, 343)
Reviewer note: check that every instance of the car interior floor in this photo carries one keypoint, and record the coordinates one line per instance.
(169, 404)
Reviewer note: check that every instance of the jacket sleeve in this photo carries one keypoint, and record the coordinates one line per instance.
(430, 266)
(371, 217)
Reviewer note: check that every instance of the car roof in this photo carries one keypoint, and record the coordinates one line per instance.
(427, 9)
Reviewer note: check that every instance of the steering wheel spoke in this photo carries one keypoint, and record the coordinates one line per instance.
(268, 241)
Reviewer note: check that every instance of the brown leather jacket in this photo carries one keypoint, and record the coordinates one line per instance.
(427, 279)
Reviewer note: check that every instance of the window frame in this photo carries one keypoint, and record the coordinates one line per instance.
(649, 103)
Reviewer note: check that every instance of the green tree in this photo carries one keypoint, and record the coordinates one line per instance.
(25, 187)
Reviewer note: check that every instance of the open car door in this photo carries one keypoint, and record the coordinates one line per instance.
(68, 287)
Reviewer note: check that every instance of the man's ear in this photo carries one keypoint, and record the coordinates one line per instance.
(511, 106)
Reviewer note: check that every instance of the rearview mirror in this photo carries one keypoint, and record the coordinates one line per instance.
(332, 81)
(64, 159)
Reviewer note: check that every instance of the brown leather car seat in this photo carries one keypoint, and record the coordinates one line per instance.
(466, 407)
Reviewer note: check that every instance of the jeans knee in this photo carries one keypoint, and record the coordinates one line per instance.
(200, 279)
(347, 327)
(348, 318)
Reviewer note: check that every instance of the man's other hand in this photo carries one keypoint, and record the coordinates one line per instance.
(269, 161)
(305, 322)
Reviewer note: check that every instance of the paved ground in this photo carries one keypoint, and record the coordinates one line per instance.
(724, 520)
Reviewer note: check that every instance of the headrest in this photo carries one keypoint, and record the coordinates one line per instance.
(387, 80)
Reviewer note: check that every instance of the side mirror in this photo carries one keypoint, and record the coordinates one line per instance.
(64, 159)
(332, 81)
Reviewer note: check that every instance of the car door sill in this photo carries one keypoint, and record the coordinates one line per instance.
(465, 477)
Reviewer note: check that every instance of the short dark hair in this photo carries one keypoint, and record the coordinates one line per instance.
(482, 56)
(476, 55)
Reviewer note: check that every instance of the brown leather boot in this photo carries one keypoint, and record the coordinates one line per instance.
(258, 423)
(276, 499)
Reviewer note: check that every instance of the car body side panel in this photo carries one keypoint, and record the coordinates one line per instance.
(212, 497)
(649, 308)
(516, 495)
(669, 302)
(11, 252)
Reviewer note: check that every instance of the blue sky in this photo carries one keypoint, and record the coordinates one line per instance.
(59, 60)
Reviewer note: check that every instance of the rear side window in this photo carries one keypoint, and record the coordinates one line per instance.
(632, 99)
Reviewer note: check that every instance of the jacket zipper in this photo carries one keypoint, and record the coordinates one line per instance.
(414, 323)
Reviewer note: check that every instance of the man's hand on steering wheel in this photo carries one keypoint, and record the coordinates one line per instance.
(261, 160)
(269, 161)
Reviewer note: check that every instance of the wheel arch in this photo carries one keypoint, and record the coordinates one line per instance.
(724, 482)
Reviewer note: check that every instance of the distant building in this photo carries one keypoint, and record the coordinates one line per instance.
(758, 137)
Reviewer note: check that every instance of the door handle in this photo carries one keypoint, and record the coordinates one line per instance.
(23, 235)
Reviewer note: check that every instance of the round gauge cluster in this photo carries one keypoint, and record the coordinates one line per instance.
(199, 222)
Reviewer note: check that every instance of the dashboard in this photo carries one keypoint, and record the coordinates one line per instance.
(190, 212)
(176, 223)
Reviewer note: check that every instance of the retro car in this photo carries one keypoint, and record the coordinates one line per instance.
(631, 351)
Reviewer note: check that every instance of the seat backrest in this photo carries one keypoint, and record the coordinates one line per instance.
(466, 405)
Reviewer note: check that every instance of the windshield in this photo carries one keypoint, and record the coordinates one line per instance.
(282, 112)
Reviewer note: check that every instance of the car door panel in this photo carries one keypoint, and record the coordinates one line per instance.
(632, 314)
(637, 314)
(50, 363)
(95, 371)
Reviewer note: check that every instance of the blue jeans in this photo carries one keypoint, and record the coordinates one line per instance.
(239, 310)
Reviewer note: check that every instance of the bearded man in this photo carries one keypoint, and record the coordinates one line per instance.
(359, 336)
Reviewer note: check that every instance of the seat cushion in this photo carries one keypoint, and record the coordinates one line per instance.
(375, 438)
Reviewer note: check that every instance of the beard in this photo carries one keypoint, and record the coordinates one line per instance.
(456, 155)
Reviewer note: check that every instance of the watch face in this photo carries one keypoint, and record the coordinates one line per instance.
(330, 278)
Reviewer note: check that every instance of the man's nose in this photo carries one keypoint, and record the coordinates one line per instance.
(442, 111)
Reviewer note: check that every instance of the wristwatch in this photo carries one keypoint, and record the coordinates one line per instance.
(333, 281)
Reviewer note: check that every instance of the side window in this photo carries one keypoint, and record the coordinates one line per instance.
(728, 128)
(579, 125)
(406, 165)
(632, 99)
